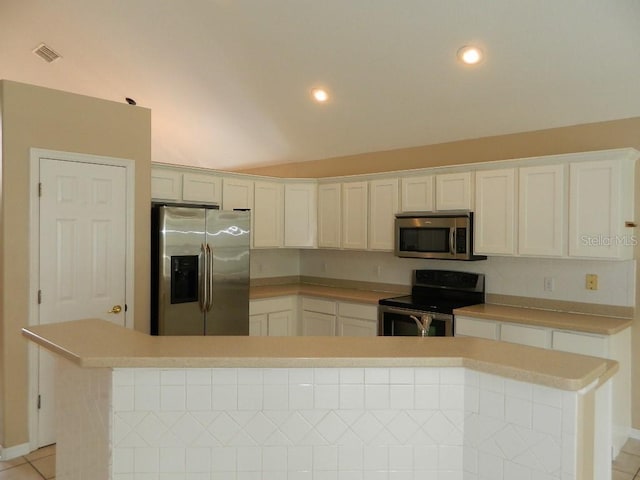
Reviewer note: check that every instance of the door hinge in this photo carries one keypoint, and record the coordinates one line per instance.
(40, 189)
(39, 402)
(39, 297)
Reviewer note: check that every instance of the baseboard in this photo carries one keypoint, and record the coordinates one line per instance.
(634, 433)
(14, 452)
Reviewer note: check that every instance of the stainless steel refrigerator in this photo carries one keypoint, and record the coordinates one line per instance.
(200, 270)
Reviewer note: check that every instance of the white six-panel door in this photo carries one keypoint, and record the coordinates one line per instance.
(82, 257)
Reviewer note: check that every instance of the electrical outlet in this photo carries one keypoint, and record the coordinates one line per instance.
(591, 281)
(377, 271)
(549, 284)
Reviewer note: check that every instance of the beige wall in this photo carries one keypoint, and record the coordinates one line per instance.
(579, 138)
(38, 117)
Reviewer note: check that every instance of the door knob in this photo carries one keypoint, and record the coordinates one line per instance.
(115, 309)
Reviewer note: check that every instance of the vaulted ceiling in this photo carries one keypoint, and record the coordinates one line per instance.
(228, 81)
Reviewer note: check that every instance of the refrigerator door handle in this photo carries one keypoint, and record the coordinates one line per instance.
(202, 294)
(209, 304)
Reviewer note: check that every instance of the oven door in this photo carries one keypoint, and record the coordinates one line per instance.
(394, 321)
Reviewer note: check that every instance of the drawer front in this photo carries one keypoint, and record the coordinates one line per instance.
(592, 345)
(531, 336)
(318, 305)
(269, 305)
(471, 327)
(358, 310)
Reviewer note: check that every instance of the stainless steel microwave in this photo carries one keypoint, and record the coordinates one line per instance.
(440, 235)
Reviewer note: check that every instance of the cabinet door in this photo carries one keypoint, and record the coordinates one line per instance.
(356, 327)
(472, 327)
(595, 220)
(454, 191)
(542, 211)
(258, 325)
(280, 324)
(417, 194)
(315, 323)
(495, 212)
(523, 335)
(354, 215)
(300, 214)
(237, 193)
(383, 205)
(268, 214)
(201, 188)
(329, 215)
(166, 184)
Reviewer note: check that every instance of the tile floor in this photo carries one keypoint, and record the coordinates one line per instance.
(41, 464)
(627, 465)
(35, 466)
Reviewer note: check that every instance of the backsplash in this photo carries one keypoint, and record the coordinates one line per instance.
(514, 276)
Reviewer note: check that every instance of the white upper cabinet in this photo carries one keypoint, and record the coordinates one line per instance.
(268, 214)
(237, 193)
(329, 215)
(454, 191)
(600, 202)
(542, 224)
(166, 184)
(495, 212)
(383, 205)
(201, 188)
(185, 186)
(300, 214)
(417, 194)
(354, 215)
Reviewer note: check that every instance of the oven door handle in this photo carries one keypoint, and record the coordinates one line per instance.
(401, 311)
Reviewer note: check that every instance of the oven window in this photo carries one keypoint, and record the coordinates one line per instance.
(424, 240)
(399, 325)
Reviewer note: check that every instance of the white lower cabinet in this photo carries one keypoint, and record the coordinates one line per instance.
(357, 320)
(594, 345)
(524, 335)
(318, 316)
(318, 324)
(273, 317)
(258, 325)
(328, 317)
(472, 327)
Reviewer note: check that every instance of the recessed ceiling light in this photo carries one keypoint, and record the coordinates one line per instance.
(470, 55)
(320, 95)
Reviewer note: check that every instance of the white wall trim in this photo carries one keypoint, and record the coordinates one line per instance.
(16, 451)
(34, 262)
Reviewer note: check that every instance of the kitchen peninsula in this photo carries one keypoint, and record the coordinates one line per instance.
(135, 406)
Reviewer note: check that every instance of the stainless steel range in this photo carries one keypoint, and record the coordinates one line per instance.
(429, 308)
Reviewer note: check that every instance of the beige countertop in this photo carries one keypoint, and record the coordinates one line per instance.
(579, 322)
(337, 293)
(544, 318)
(97, 343)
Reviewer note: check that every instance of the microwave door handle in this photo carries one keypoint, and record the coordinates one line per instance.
(452, 240)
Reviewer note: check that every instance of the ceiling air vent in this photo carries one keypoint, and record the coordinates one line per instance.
(46, 53)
